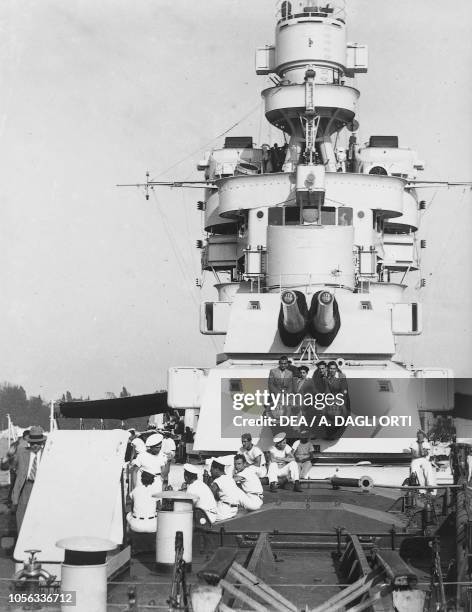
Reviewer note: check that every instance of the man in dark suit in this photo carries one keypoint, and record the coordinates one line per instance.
(281, 378)
(305, 398)
(280, 384)
(26, 463)
(336, 381)
(319, 377)
(8, 462)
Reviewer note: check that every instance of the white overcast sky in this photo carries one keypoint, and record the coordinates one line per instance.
(98, 284)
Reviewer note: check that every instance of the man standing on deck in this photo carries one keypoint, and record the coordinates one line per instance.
(282, 464)
(253, 455)
(281, 378)
(168, 449)
(319, 377)
(281, 383)
(420, 463)
(27, 462)
(336, 381)
(8, 462)
(304, 390)
(152, 460)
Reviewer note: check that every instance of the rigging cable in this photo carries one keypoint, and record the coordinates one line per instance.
(178, 257)
(209, 142)
(261, 118)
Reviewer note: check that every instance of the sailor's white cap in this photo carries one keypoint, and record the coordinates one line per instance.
(191, 469)
(153, 440)
(225, 460)
(279, 437)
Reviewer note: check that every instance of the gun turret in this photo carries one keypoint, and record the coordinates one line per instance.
(292, 318)
(323, 318)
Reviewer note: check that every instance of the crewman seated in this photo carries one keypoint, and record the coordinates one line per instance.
(226, 492)
(143, 516)
(254, 456)
(226, 460)
(251, 492)
(283, 464)
(303, 451)
(195, 486)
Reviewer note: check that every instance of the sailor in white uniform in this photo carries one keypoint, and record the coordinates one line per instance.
(227, 461)
(168, 449)
(153, 459)
(226, 492)
(195, 486)
(133, 471)
(143, 516)
(420, 464)
(253, 455)
(282, 464)
(303, 451)
(251, 493)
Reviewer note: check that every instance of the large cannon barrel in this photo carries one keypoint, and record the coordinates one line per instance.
(294, 321)
(292, 317)
(323, 319)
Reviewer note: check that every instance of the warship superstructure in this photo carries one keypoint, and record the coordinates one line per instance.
(313, 243)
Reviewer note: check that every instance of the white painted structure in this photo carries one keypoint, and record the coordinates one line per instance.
(77, 493)
(320, 214)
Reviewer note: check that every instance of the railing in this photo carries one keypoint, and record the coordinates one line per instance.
(292, 9)
(311, 282)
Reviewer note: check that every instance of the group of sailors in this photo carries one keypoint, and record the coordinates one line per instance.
(273, 157)
(222, 487)
(226, 485)
(284, 462)
(171, 425)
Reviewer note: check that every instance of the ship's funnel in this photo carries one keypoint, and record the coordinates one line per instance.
(292, 318)
(323, 319)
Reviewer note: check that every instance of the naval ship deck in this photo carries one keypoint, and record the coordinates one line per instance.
(306, 532)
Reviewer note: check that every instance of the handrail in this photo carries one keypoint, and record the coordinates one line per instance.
(293, 9)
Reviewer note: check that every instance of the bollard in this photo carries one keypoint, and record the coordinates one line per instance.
(84, 572)
(171, 518)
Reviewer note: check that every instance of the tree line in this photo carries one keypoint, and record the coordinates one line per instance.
(33, 410)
